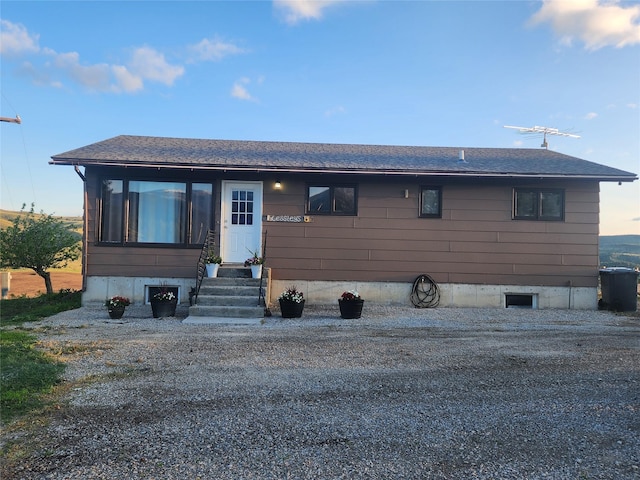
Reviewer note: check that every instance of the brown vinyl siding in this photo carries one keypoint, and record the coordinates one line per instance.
(142, 262)
(475, 241)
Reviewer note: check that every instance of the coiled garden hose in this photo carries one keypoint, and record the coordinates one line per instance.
(425, 292)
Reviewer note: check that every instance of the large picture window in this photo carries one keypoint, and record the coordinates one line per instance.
(331, 200)
(538, 204)
(157, 212)
(138, 211)
(431, 202)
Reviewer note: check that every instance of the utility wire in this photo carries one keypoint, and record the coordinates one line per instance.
(24, 147)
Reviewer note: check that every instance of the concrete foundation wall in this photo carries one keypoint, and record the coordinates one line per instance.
(451, 295)
(98, 289)
(389, 293)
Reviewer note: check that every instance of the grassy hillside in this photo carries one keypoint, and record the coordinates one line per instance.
(620, 251)
(7, 216)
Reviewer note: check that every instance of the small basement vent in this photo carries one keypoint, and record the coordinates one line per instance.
(521, 300)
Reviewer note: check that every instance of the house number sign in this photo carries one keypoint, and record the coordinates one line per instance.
(285, 218)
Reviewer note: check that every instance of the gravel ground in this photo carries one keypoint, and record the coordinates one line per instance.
(400, 393)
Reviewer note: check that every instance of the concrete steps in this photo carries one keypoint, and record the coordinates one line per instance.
(233, 294)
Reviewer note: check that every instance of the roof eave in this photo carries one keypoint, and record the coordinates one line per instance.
(363, 171)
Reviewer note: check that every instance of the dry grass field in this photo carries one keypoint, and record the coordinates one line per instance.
(26, 282)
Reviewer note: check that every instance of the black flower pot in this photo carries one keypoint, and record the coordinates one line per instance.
(163, 308)
(115, 312)
(291, 309)
(350, 308)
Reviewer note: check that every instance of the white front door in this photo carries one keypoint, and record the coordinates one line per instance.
(241, 220)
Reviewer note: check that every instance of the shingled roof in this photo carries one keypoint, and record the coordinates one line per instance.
(236, 155)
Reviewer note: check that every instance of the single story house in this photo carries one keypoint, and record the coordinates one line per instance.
(485, 224)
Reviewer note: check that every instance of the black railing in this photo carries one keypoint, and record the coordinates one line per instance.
(264, 259)
(209, 243)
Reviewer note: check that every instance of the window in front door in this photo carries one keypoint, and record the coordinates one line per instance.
(242, 207)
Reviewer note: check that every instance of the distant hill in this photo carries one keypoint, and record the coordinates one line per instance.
(7, 216)
(620, 251)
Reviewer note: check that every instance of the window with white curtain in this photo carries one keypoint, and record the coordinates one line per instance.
(157, 212)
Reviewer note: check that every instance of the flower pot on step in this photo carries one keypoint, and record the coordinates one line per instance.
(256, 271)
(212, 269)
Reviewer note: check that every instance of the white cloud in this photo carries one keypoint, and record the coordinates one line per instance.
(125, 80)
(15, 40)
(93, 77)
(596, 23)
(145, 64)
(590, 116)
(37, 75)
(212, 50)
(633, 106)
(150, 64)
(295, 11)
(240, 91)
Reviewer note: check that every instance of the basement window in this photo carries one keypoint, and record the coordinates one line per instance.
(521, 300)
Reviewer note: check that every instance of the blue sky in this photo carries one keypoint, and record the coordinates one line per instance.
(375, 72)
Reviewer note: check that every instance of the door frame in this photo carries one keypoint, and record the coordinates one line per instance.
(225, 193)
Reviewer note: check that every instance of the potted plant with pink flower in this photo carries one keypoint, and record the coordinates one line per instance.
(255, 262)
(116, 306)
(351, 304)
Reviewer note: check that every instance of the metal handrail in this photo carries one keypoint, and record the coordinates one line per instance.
(209, 242)
(264, 259)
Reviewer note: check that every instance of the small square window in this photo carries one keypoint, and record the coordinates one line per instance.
(331, 200)
(533, 204)
(431, 202)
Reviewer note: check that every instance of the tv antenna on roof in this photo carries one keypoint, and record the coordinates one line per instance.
(545, 131)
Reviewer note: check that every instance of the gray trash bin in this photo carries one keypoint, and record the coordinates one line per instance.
(619, 289)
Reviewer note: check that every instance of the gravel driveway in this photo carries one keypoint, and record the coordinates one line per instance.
(400, 393)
